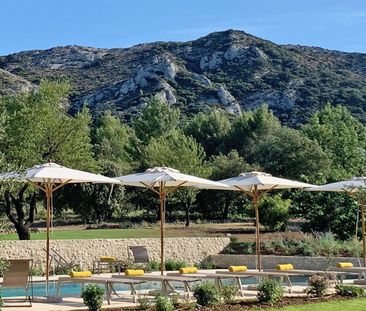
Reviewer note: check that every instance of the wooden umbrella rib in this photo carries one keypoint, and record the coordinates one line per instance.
(61, 185)
(36, 185)
(349, 192)
(150, 187)
(176, 187)
(268, 190)
(244, 191)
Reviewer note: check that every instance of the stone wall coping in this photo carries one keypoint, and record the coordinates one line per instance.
(116, 239)
(290, 256)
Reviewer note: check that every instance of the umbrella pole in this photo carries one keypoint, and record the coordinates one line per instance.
(257, 233)
(162, 226)
(48, 219)
(363, 233)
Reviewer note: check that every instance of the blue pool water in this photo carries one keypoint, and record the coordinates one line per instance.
(66, 290)
(70, 289)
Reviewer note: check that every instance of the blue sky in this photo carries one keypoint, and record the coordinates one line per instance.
(41, 24)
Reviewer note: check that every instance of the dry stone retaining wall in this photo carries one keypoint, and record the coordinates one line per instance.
(191, 250)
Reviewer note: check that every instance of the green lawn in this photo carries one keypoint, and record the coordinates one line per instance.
(353, 305)
(90, 234)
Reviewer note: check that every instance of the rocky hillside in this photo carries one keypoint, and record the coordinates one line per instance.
(229, 69)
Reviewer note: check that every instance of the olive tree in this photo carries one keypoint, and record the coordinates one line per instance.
(181, 152)
(37, 129)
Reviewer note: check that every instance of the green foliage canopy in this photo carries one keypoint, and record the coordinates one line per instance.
(342, 137)
(156, 119)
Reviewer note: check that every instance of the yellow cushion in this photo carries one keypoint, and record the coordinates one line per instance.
(107, 258)
(238, 268)
(80, 274)
(284, 267)
(187, 270)
(344, 265)
(137, 272)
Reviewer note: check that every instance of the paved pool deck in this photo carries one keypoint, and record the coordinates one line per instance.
(76, 303)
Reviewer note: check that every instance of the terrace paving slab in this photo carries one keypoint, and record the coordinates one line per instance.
(76, 303)
(67, 304)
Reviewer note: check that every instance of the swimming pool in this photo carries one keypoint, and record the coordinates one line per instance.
(74, 289)
(66, 289)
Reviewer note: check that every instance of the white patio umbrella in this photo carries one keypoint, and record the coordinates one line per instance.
(350, 187)
(255, 184)
(162, 181)
(49, 177)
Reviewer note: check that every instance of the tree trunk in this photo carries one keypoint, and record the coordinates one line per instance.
(188, 220)
(169, 214)
(158, 214)
(19, 219)
(226, 207)
(188, 212)
(22, 231)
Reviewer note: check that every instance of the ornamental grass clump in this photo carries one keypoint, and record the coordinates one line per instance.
(143, 303)
(163, 304)
(153, 265)
(173, 265)
(269, 291)
(228, 293)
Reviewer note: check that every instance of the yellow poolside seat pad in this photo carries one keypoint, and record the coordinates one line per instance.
(134, 272)
(284, 267)
(107, 258)
(80, 274)
(187, 270)
(238, 268)
(344, 265)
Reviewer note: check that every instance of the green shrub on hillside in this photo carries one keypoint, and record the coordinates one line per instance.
(274, 212)
(319, 245)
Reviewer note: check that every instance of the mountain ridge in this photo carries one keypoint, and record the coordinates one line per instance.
(231, 69)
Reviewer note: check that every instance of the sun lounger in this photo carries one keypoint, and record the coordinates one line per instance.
(359, 282)
(281, 275)
(19, 275)
(216, 277)
(359, 271)
(59, 265)
(139, 255)
(108, 264)
(339, 274)
(107, 282)
(166, 282)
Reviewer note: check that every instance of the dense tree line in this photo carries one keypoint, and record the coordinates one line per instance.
(36, 127)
